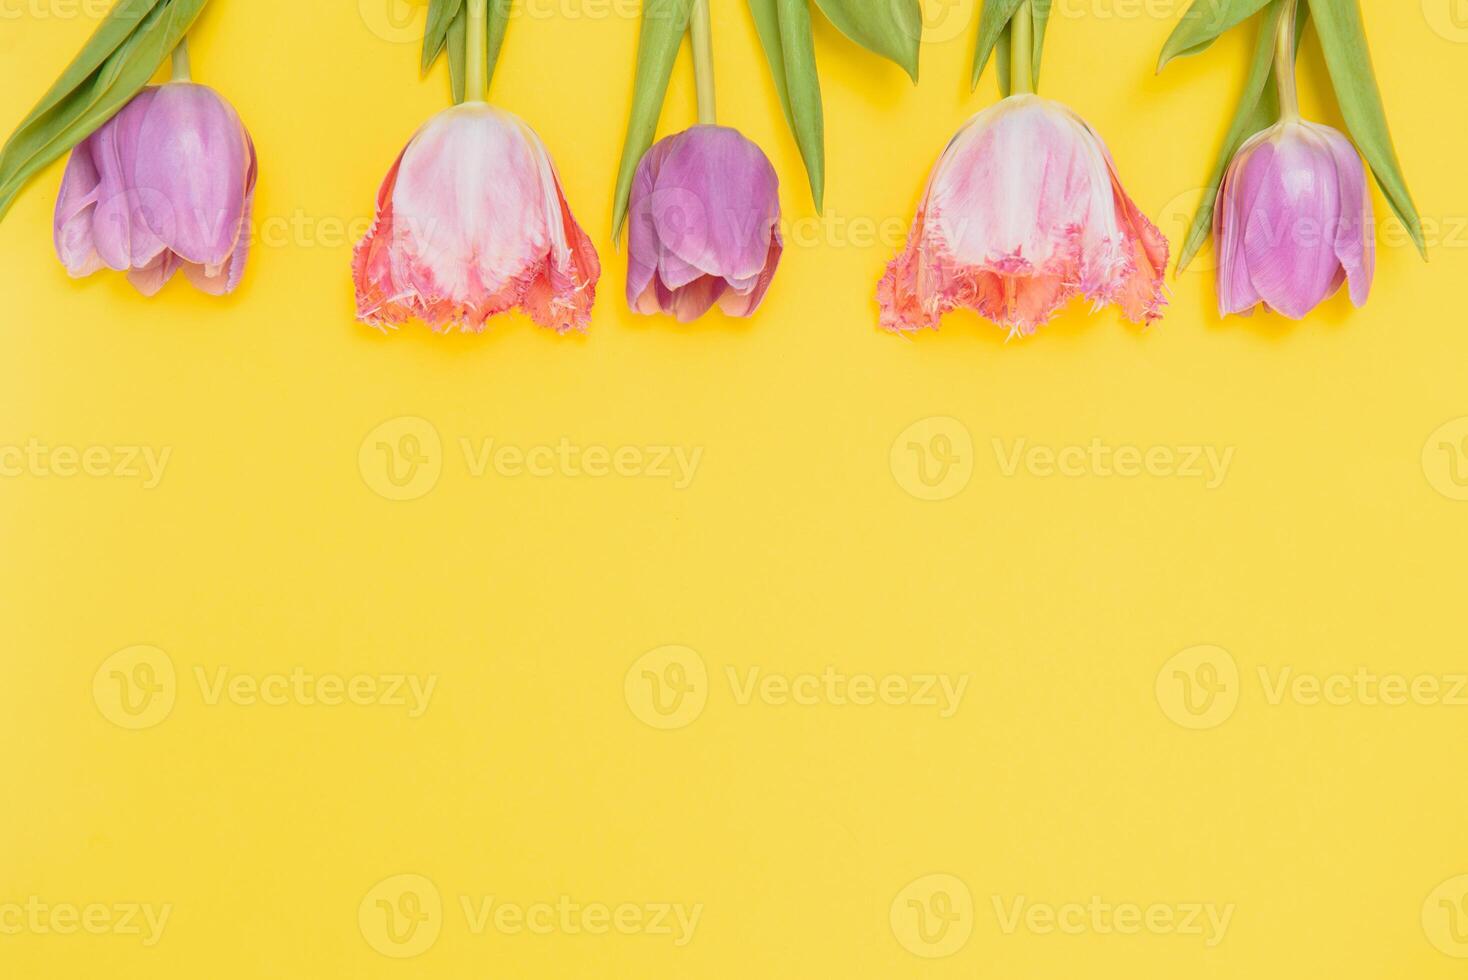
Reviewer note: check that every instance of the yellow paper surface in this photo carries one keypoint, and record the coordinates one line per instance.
(1168, 745)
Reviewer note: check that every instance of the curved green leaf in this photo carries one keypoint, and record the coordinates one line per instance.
(441, 14)
(1258, 109)
(992, 23)
(664, 22)
(1202, 23)
(767, 23)
(118, 61)
(890, 28)
(804, 86)
(458, 38)
(1002, 55)
(448, 24)
(1040, 10)
(499, 22)
(1343, 38)
(121, 21)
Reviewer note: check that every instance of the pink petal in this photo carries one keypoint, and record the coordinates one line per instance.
(737, 302)
(155, 275)
(1236, 200)
(1289, 235)
(74, 208)
(1355, 238)
(1023, 213)
(381, 301)
(472, 222)
(121, 230)
(193, 168)
(704, 203)
(561, 296)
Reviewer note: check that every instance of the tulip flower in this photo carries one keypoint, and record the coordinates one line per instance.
(1023, 212)
(705, 225)
(704, 203)
(472, 220)
(165, 184)
(1289, 206)
(1293, 222)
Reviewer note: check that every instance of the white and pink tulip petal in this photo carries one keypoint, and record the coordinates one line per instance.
(472, 222)
(1023, 213)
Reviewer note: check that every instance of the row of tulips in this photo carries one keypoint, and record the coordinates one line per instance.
(1024, 212)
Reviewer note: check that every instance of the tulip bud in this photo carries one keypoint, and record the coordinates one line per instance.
(1293, 222)
(705, 227)
(165, 184)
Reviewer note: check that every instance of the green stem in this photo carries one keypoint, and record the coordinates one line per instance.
(181, 62)
(703, 62)
(1284, 66)
(1021, 51)
(476, 51)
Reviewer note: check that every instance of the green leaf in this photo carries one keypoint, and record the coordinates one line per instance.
(890, 28)
(804, 83)
(1040, 10)
(448, 22)
(441, 14)
(1202, 24)
(1258, 109)
(664, 23)
(767, 23)
(457, 38)
(1343, 38)
(115, 65)
(1002, 56)
(121, 21)
(992, 23)
(499, 22)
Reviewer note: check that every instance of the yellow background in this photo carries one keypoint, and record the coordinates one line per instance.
(797, 546)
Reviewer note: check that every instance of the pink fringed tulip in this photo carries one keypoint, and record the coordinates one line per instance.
(1023, 212)
(1293, 222)
(705, 210)
(471, 222)
(166, 184)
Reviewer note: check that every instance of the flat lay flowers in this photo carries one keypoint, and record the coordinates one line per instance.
(1025, 210)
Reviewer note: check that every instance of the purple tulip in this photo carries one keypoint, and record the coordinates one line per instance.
(165, 184)
(1293, 222)
(705, 228)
